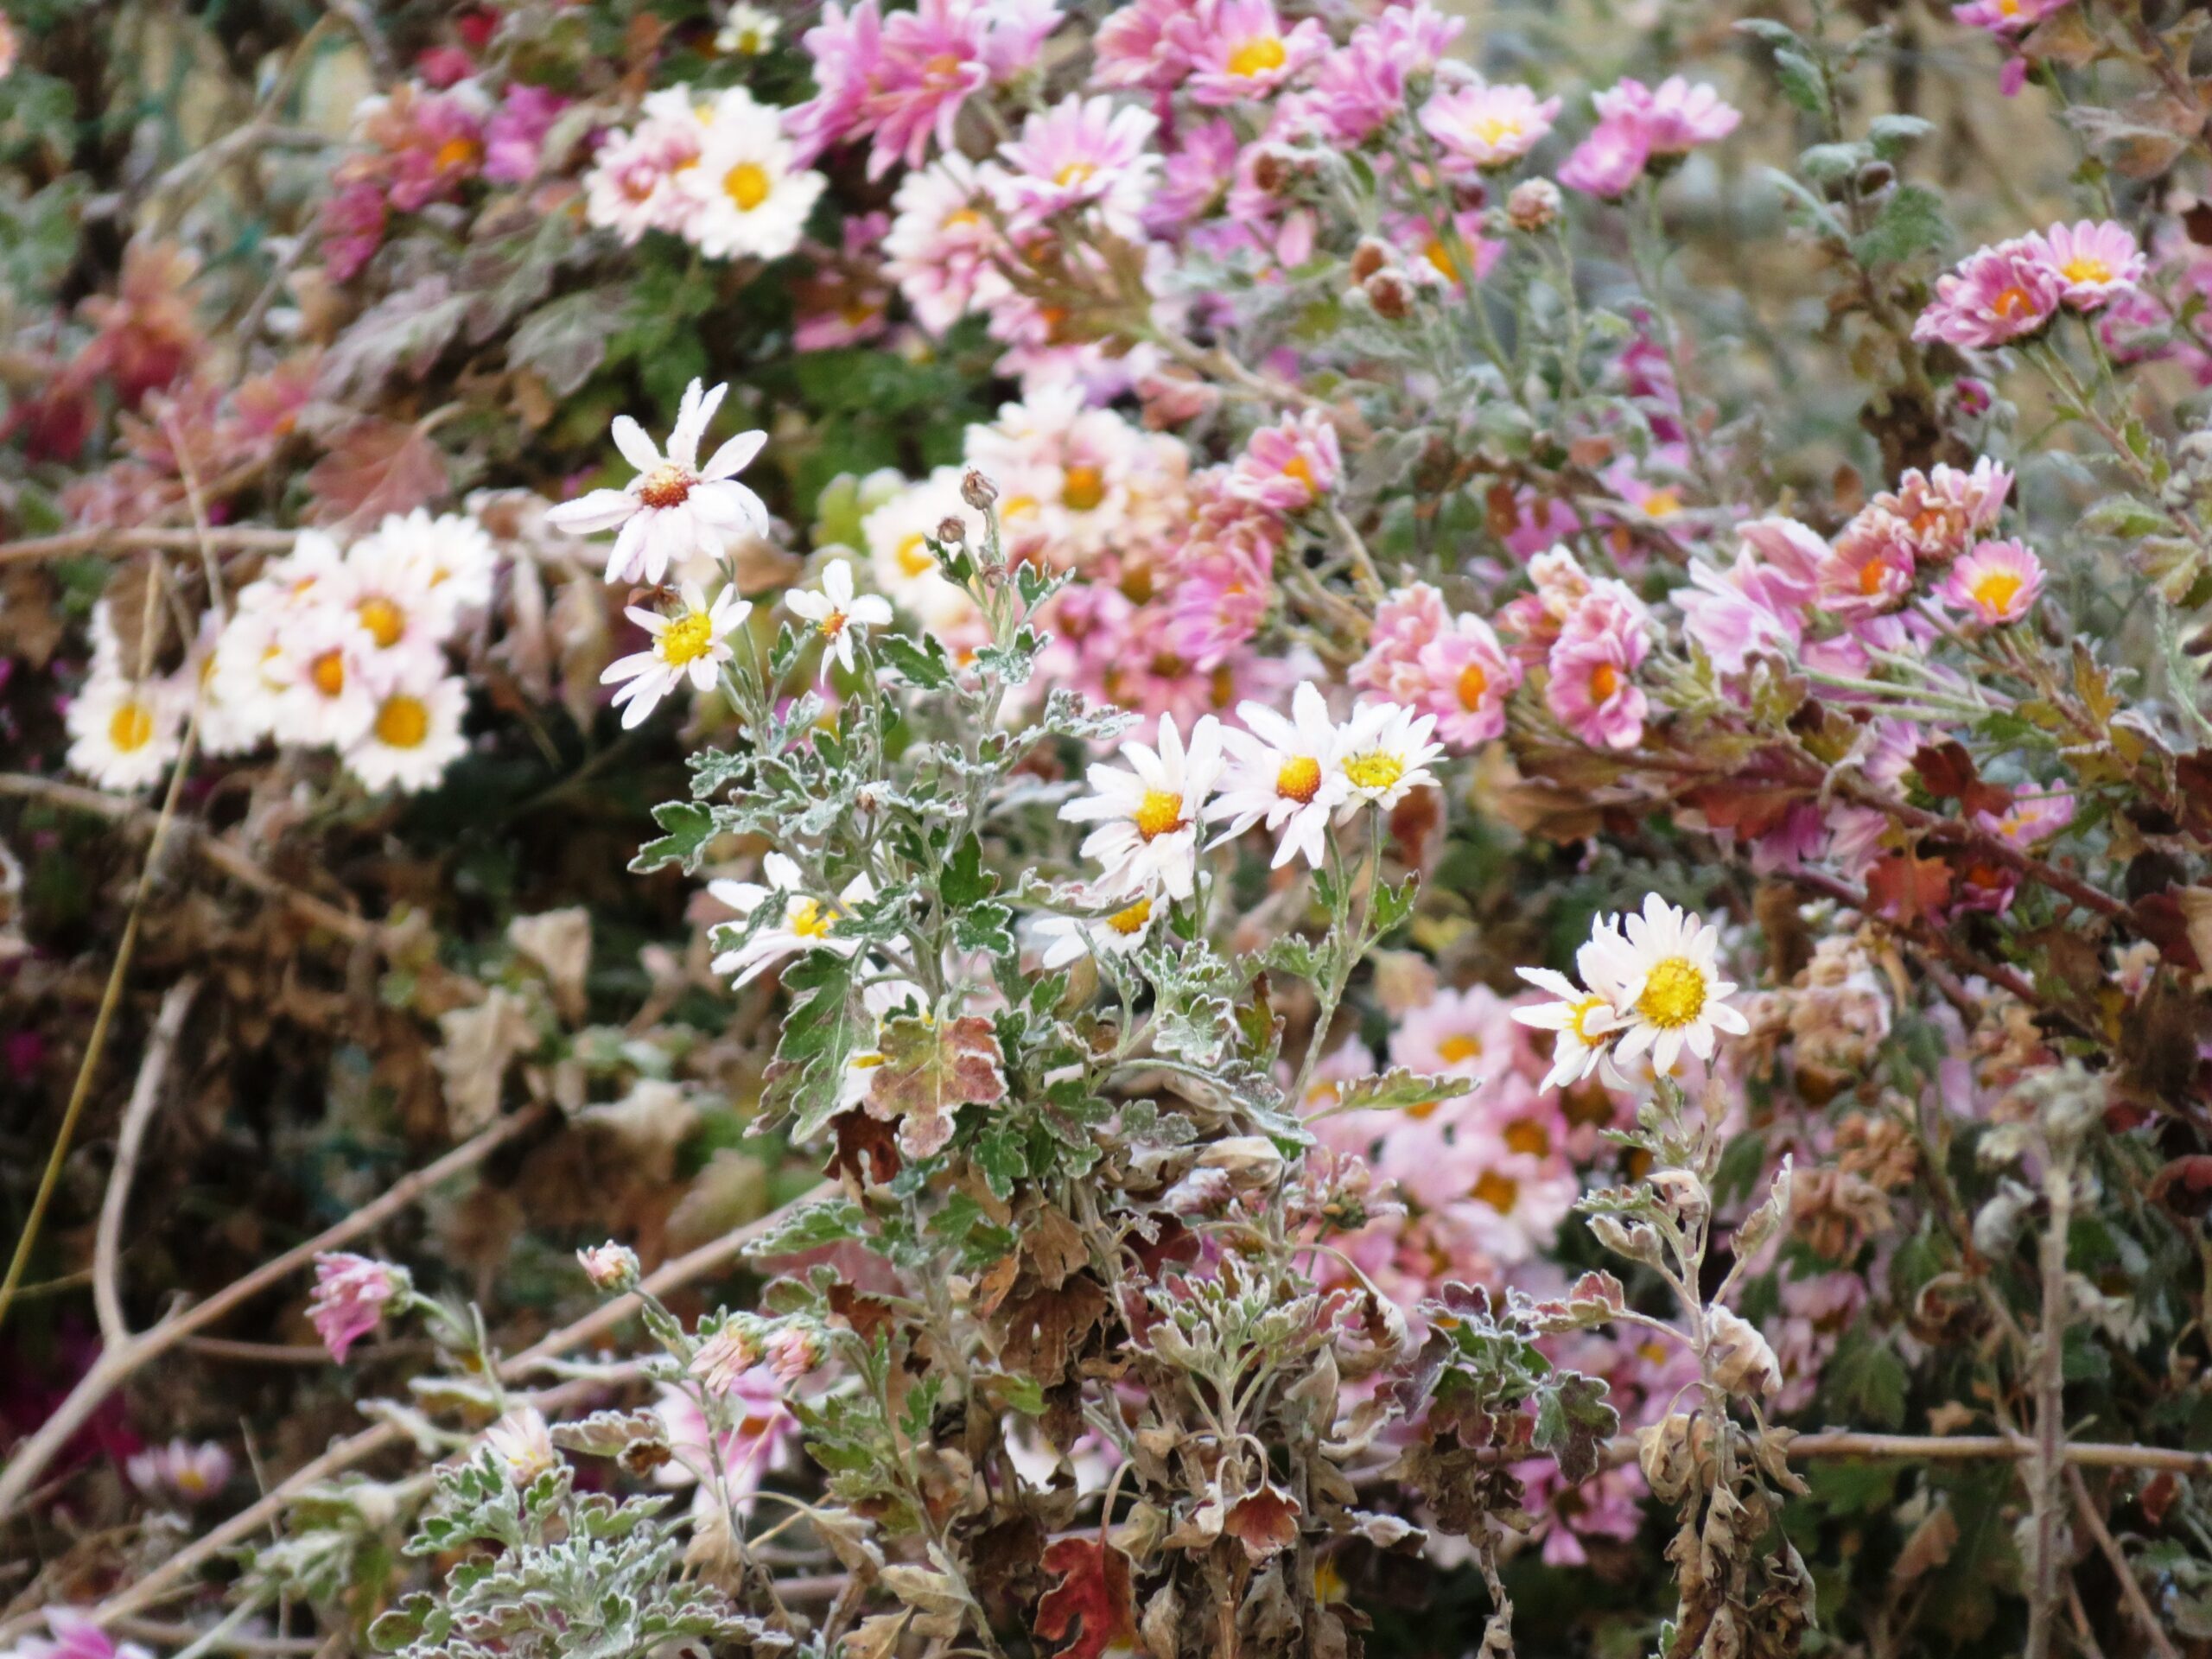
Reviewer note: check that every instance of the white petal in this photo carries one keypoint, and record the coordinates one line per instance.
(733, 457)
(637, 448)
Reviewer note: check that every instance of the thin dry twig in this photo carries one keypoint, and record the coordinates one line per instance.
(145, 1095)
(2130, 1592)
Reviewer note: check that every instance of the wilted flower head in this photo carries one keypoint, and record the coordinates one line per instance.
(1743, 1362)
(351, 1293)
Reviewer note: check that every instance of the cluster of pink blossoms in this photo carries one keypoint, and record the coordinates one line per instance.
(2012, 290)
(1640, 128)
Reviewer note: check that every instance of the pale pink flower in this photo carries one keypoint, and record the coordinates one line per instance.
(1997, 582)
(633, 188)
(2006, 18)
(1468, 677)
(2096, 259)
(1194, 174)
(1871, 567)
(2031, 817)
(1590, 689)
(1080, 155)
(792, 1351)
(934, 58)
(1676, 116)
(1607, 163)
(1997, 294)
(182, 1469)
(942, 249)
(75, 1636)
(1942, 512)
(1433, 261)
(1289, 466)
(1484, 126)
(1405, 622)
(1362, 88)
(1814, 1314)
(516, 133)
(725, 1357)
(847, 48)
(1467, 1033)
(351, 1293)
(1758, 605)
(1607, 1505)
(1239, 49)
(609, 1266)
(1132, 48)
(1223, 585)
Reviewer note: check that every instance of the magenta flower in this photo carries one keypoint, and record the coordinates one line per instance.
(2006, 18)
(2030, 818)
(1591, 689)
(1997, 294)
(516, 133)
(1360, 89)
(847, 48)
(1676, 116)
(1487, 127)
(1997, 582)
(1469, 677)
(75, 1636)
(1608, 162)
(351, 1293)
(2096, 259)
(1289, 466)
(351, 223)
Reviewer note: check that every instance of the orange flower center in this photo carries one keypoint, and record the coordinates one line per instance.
(1473, 683)
(1499, 1192)
(1159, 814)
(327, 672)
(1605, 680)
(384, 620)
(1528, 1137)
(1082, 488)
(1458, 1047)
(403, 722)
(666, 485)
(1300, 777)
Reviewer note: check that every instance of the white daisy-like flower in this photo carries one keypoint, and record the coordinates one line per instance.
(674, 508)
(804, 925)
(225, 726)
(1284, 773)
(451, 556)
(1071, 939)
(394, 599)
(125, 732)
(1149, 816)
(1585, 1020)
(747, 32)
(416, 735)
(321, 661)
(688, 645)
(837, 612)
(1670, 994)
(1384, 755)
(523, 1444)
(749, 201)
(898, 534)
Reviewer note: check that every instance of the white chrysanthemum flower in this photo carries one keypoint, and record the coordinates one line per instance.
(804, 922)
(225, 726)
(416, 735)
(1585, 1020)
(750, 202)
(1670, 996)
(403, 614)
(327, 696)
(125, 733)
(1149, 816)
(523, 1444)
(1071, 939)
(1385, 754)
(898, 534)
(688, 645)
(747, 32)
(836, 613)
(1284, 773)
(674, 508)
(452, 556)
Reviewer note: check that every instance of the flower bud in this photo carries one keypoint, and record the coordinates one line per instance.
(952, 532)
(1390, 294)
(977, 491)
(793, 1351)
(1370, 256)
(724, 1357)
(1533, 205)
(609, 1266)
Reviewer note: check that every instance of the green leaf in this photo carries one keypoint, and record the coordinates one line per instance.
(833, 1221)
(985, 929)
(924, 664)
(964, 881)
(1395, 1090)
(690, 827)
(1911, 223)
(1800, 79)
(820, 1034)
(1864, 1382)
(2124, 518)
(1892, 135)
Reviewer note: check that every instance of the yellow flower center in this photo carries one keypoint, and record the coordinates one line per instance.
(1424, 1109)
(805, 918)
(131, 727)
(1499, 1192)
(665, 486)
(1440, 256)
(1159, 814)
(327, 672)
(913, 556)
(1458, 1047)
(1495, 129)
(1298, 467)
(1674, 995)
(1605, 680)
(1132, 920)
(1082, 488)
(1257, 55)
(689, 638)
(2086, 267)
(1377, 771)
(1473, 683)
(1074, 173)
(403, 722)
(1578, 1018)
(1528, 1137)
(384, 620)
(1663, 504)
(1995, 590)
(961, 218)
(833, 625)
(1300, 777)
(747, 184)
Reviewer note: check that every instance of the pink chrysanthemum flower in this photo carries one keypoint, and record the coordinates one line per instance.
(1944, 511)
(1590, 689)
(1485, 127)
(632, 186)
(1870, 568)
(1608, 162)
(1239, 49)
(934, 58)
(1193, 175)
(1134, 46)
(1468, 677)
(1289, 466)
(1359, 90)
(1676, 116)
(2030, 818)
(1222, 590)
(1405, 623)
(1433, 261)
(351, 1293)
(942, 247)
(75, 1636)
(1997, 582)
(2006, 18)
(350, 226)
(1997, 295)
(1080, 155)
(847, 48)
(2096, 259)
(516, 133)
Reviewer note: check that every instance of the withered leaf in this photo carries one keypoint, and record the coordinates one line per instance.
(1909, 887)
(930, 1069)
(1090, 1609)
(1946, 770)
(1041, 1329)
(375, 466)
(1265, 1521)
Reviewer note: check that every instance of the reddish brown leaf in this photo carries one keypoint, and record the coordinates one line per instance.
(1265, 1521)
(1946, 770)
(1090, 1609)
(2184, 1185)
(867, 1150)
(374, 467)
(1909, 887)
(1748, 812)
(929, 1072)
